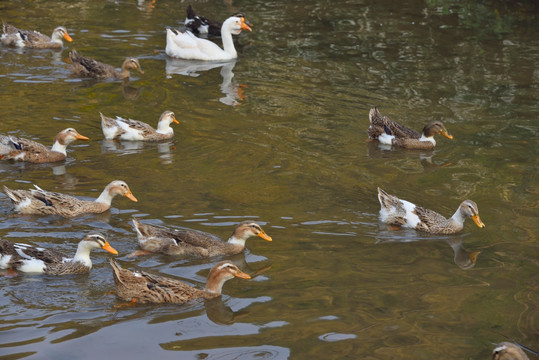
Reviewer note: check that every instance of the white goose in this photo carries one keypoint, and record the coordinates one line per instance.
(187, 46)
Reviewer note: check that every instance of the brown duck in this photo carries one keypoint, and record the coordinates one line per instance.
(42, 202)
(192, 242)
(508, 351)
(147, 288)
(27, 258)
(90, 68)
(395, 211)
(13, 36)
(20, 149)
(389, 132)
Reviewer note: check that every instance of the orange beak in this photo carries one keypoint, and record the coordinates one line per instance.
(444, 133)
(81, 137)
(109, 248)
(67, 37)
(242, 275)
(478, 221)
(130, 196)
(264, 236)
(244, 26)
(174, 120)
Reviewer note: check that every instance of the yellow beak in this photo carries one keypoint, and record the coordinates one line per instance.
(264, 236)
(130, 196)
(109, 248)
(444, 133)
(81, 137)
(67, 37)
(478, 221)
(242, 275)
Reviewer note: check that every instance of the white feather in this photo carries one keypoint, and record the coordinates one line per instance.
(32, 265)
(4, 261)
(385, 139)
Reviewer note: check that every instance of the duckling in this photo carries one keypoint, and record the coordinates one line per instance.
(20, 149)
(27, 258)
(33, 39)
(42, 202)
(192, 242)
(88, 67)
(146, 288)
(395, 211)
(508, 351)
(389, 132)
(132, 130)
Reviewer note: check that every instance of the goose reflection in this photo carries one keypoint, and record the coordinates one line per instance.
(463, 258)
(234, 92)
(376, 150)
(164, 149)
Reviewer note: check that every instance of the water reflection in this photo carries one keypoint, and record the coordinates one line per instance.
(164, 149)
(234, 92)
(463, 258)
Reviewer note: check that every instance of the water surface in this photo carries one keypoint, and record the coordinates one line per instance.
(278, 136)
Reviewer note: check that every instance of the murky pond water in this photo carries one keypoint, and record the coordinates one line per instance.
(279, 136)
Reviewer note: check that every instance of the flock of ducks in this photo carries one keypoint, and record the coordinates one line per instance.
(148, 288)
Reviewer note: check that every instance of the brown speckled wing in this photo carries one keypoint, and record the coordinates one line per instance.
(140, 126)
(429, 219)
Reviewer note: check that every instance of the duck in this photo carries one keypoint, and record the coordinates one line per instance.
(192, 242)
(42, 202)
(199, 24)
(395, 211)
(508, 351)
(20, 149)
(389, 132)
(31, 259)
(13, 36)
(147, 288)
(187, 46)
(88, 67)
(133, 130)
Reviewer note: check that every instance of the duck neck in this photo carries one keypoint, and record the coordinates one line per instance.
(83, 254)
(233, 240)
(105, 197)
(214, 284)
(58, 147)
(125, 73)
(163, 127)
(228, 44)
(427, 138)
(458, 218)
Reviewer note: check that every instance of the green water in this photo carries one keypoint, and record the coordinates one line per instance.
(279, 136)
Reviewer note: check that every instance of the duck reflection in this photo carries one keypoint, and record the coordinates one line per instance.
(463, 258)
(382, 151)
(164, 149)
(221, 314)
(130, 92)
(234, 92)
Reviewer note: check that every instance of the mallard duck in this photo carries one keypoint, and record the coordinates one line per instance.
(399, 212)
(33, 39)
(27, 258)
(188, 46)
(147, 288)
(42, 202)
(508, 351)
(389, 132)
(88, 67)
(20, 149)
(192, 242)
(128, 129)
